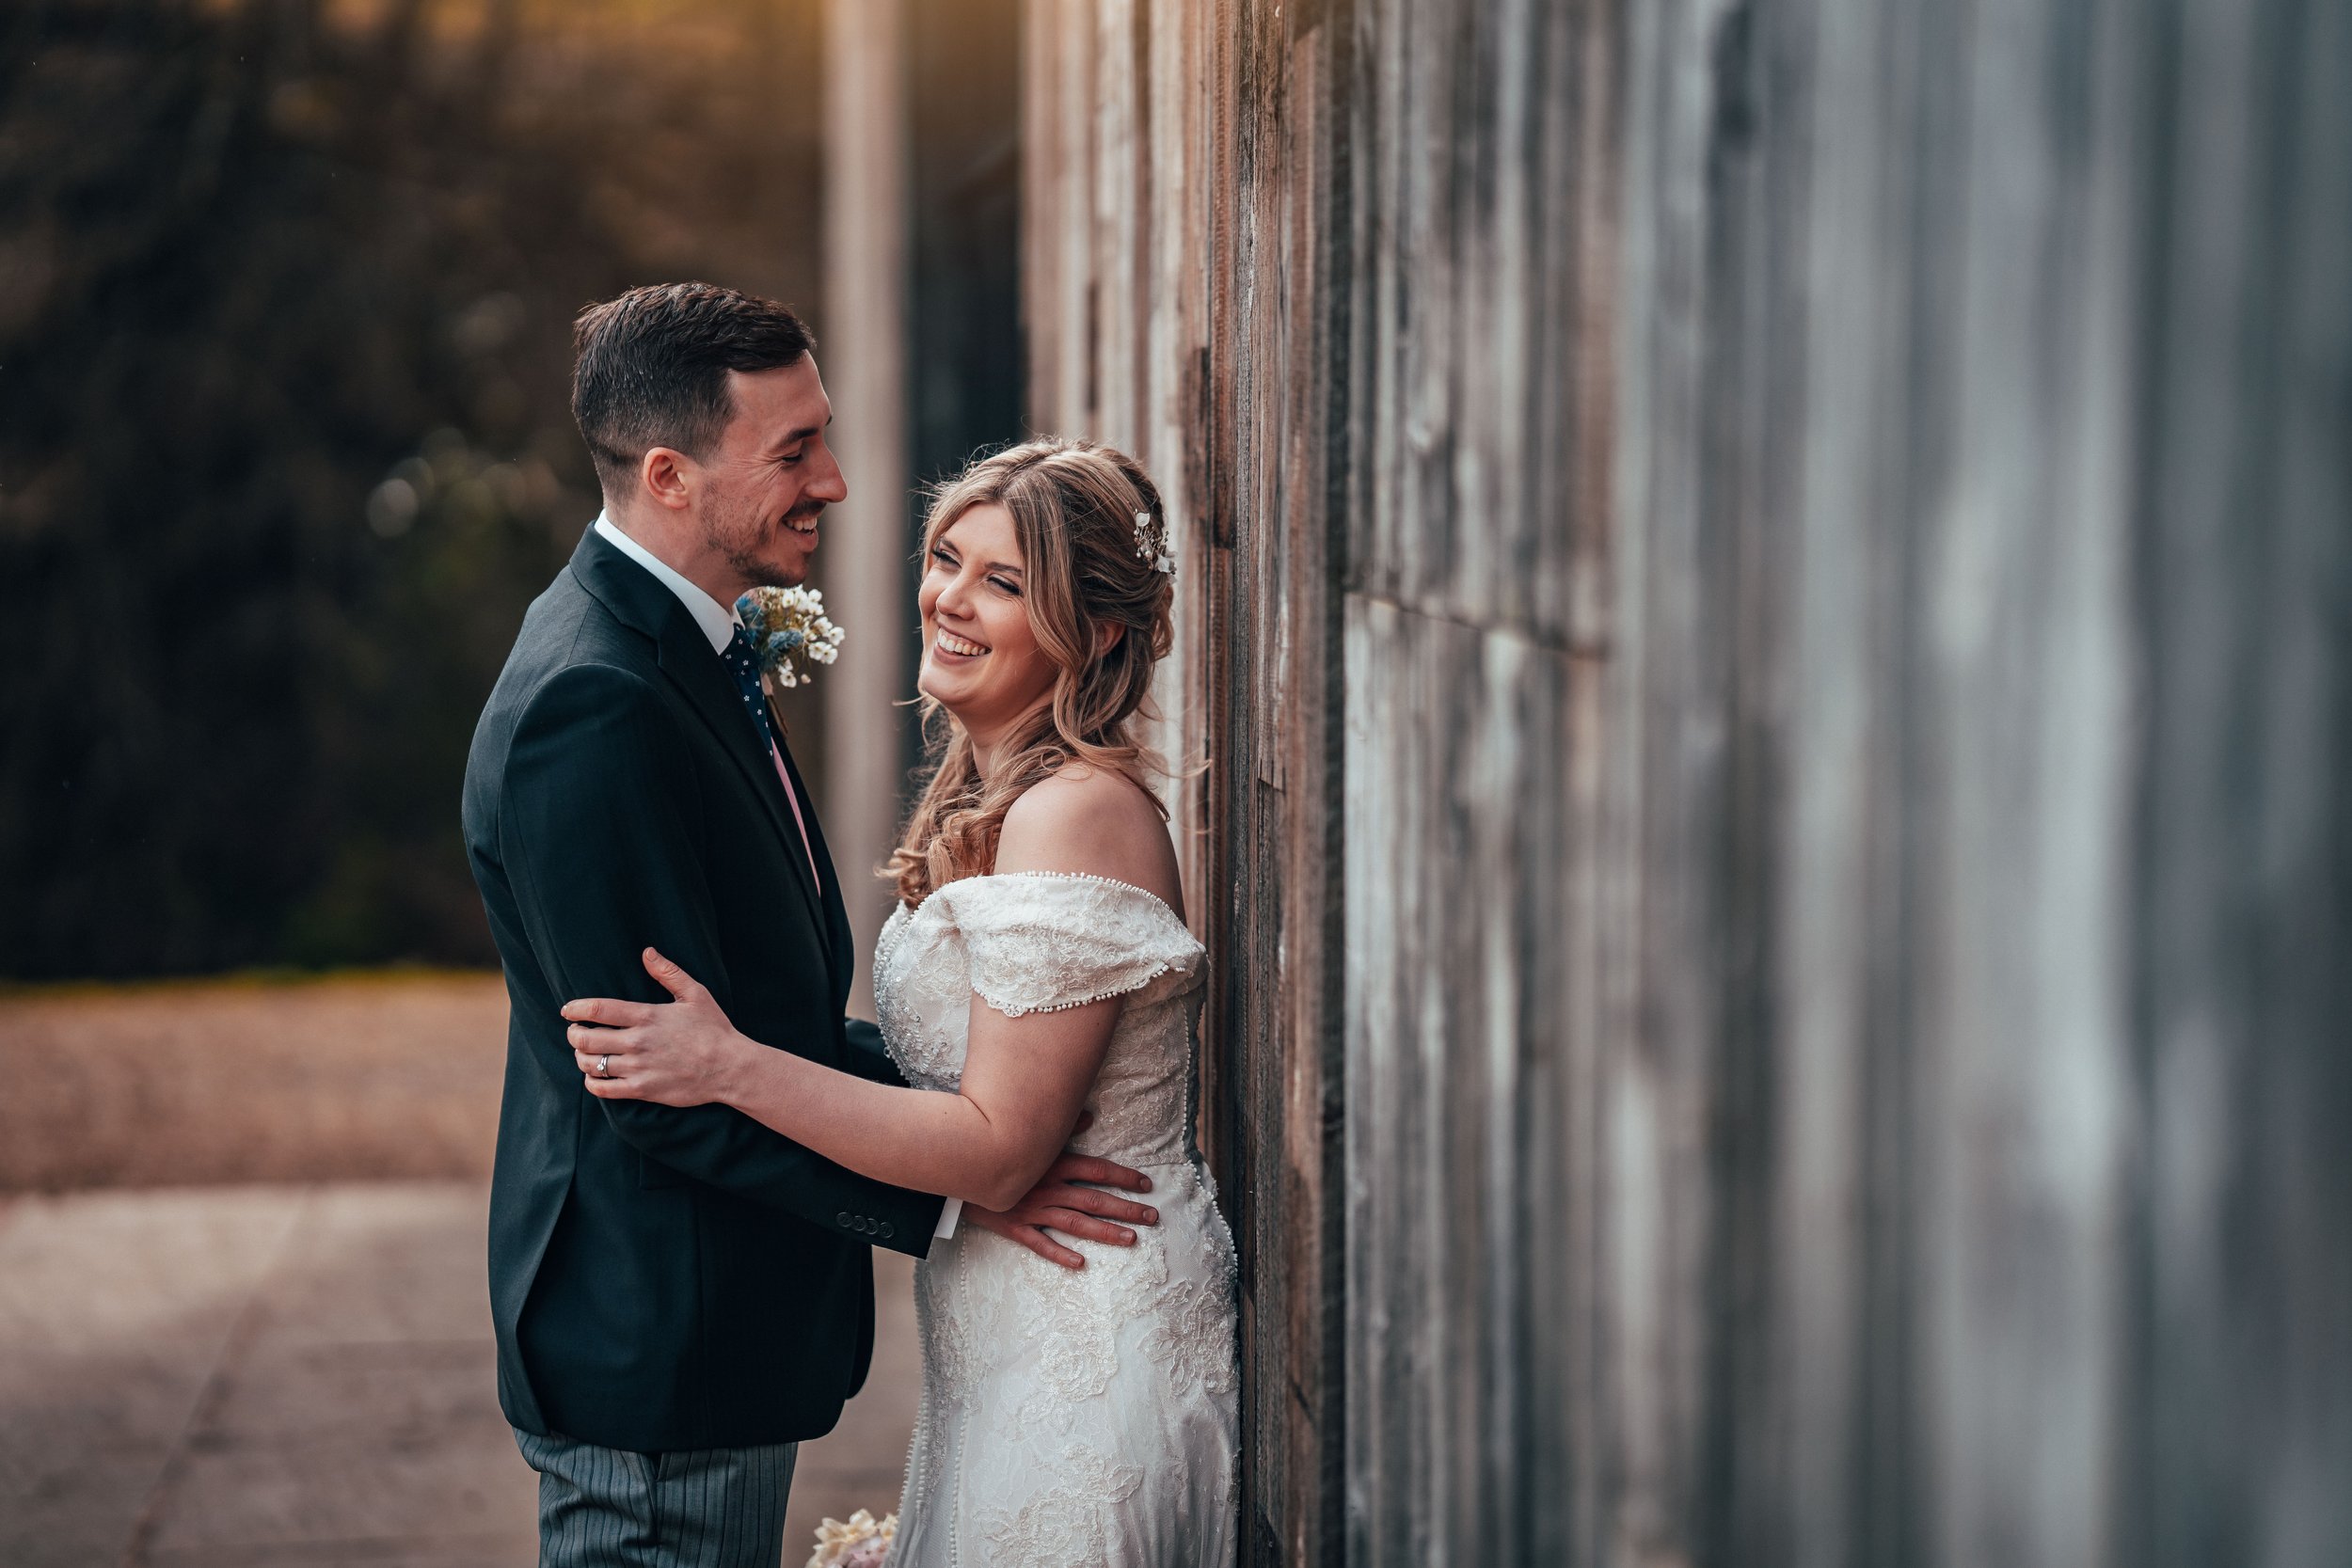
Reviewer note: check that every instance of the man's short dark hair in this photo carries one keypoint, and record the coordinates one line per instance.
(650, 369)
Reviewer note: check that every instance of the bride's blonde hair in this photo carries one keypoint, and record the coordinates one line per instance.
(1086, 563)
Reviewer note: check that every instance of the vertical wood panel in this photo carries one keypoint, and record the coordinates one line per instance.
(2022, 676)
(1045, 192)
(1115, 236)
(1839, 907)
(1173, 357)
(2244, 886)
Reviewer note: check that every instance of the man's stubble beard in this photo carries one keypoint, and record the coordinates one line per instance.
(736, 532)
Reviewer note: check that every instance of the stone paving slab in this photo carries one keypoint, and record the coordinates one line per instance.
(294, 1377)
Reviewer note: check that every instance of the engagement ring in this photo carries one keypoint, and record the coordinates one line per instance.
(604, 1067)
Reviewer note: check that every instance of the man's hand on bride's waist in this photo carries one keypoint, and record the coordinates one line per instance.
(1070, 1198)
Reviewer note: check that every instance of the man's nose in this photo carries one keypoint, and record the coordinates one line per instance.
(830, 486)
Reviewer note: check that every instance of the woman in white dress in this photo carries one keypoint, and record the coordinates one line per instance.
(1037, 972)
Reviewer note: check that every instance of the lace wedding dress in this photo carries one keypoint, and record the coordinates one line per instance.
(1070, 1418)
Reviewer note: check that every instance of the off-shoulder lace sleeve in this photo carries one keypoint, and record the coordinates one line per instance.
(1041, 940)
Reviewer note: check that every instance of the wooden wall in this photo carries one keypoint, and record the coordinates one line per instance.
(1767, 590)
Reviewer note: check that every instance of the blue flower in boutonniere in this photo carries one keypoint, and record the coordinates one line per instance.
(789, 628)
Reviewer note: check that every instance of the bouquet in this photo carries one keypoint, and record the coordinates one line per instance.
(861, 1540)
(790, 632)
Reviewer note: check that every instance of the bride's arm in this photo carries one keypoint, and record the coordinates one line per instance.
(1025, 1079)
(1024, 1084)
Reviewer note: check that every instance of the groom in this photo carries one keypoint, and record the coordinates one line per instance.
(682, 1296)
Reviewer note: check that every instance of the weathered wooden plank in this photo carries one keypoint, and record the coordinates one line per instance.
(2023, 680)
(1060, 294)
(1116, 255)
(2244, 897)
(1671, 589)
(1840, 903)
(1173, 360)
(1045, 195)
(1570, 455)
(1297, 672)
(1452, 1009)
(1389, 1260)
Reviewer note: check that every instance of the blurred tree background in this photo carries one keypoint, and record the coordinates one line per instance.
(285, 445)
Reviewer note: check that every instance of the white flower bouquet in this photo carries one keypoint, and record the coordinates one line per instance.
(861, 1540)
(790, 629)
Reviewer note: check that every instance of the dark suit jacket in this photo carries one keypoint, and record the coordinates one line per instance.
(661, 1278)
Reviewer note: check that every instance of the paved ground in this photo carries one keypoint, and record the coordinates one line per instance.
(300, 1376)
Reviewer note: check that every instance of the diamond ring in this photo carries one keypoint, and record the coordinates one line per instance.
(604, 1067)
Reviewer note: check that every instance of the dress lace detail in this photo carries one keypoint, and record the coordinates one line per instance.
(1070, 1416)
(1193, 1340)
(1063, 1525)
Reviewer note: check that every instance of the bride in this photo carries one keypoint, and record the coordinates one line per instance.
(1037, 972)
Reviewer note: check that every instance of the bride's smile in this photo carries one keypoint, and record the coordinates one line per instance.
(981, 660)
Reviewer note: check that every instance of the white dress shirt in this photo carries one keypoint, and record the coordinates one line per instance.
(718, 623)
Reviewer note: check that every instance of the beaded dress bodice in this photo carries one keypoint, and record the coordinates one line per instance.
(1037, 942)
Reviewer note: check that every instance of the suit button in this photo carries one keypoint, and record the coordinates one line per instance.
(886, 1231)
(843, 1220)
(865, 1223)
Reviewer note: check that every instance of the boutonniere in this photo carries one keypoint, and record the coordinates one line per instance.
(791, 631)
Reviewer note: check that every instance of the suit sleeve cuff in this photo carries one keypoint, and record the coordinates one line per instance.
(950, 1212)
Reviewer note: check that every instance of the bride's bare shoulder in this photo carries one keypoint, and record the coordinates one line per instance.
(1092, 821)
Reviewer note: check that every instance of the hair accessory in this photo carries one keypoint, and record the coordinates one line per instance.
(1148, 549)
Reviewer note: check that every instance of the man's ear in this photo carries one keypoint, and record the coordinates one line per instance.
(666, 475)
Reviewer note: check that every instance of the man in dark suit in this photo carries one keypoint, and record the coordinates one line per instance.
(681, 1295)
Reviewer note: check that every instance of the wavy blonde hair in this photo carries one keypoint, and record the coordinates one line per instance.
(1085, 564)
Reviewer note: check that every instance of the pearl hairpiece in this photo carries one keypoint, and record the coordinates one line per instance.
(1153, 550)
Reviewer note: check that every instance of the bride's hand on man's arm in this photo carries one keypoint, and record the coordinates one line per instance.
(679, 1052)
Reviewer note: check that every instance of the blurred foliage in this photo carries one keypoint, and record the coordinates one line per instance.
(285, 303)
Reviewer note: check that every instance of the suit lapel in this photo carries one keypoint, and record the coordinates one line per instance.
(697, 672)
(634, 595)
(836, 912)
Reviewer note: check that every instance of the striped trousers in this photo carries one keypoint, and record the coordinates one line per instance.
(609, 1508)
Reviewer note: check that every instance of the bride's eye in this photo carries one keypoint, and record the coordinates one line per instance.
(1004, 587)
(941, 558)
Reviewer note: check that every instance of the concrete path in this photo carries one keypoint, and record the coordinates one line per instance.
(294, 1377)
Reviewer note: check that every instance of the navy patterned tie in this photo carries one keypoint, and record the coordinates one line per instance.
(743, 664)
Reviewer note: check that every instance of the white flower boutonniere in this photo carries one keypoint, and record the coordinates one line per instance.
(789, 628)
